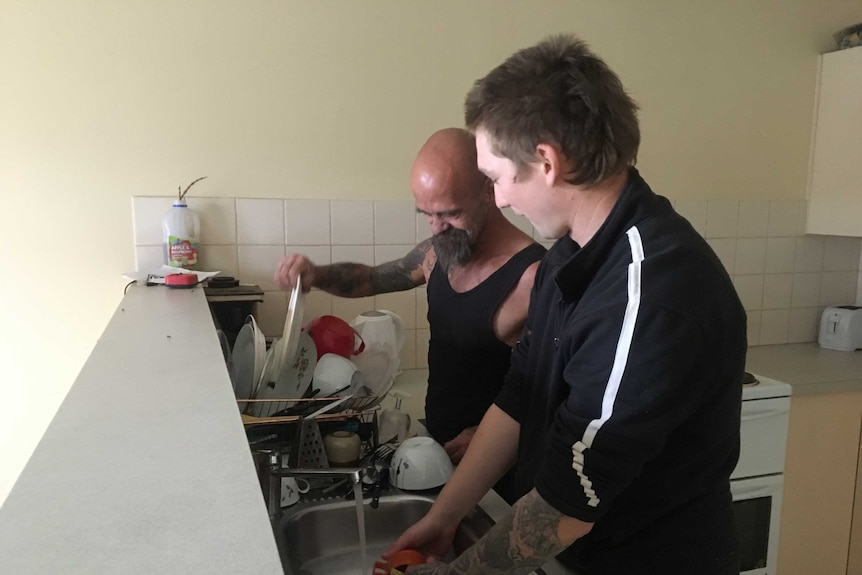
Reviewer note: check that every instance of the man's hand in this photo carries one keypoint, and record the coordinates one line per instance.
(431, 535)
(290, 267)
(457, 447)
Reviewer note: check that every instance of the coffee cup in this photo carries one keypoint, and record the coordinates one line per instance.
(291, 489)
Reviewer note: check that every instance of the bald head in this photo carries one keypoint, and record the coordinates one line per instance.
(446, 164)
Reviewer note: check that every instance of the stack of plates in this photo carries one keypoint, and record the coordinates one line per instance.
(284, 372)
(246, 359)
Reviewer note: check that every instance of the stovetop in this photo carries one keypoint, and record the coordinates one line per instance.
(765, 388)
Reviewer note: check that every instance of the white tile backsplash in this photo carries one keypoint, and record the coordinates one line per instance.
(806, 290)
(750, 256)
(270, 313)
(783, 218)
(224, 259)
(777, 291)
(841, 254)
(783, 277)
(803, 324)
(423, 228)
(355, 254)
(259, 222)
(753, 218)
(833, 288)
(780, 255)
(722, 218)
(725, 249)
(352, 222)
(307, 222)
(319, 255)
(695, 212)
(218, 219)
(348, 308)
(403, 303)
(753, 326)
(257, 265)
(774, 326)
(423, 336)
(394, 222)
(809, 254)
(317, 303)
(421, 308)
(750, 291)
(388, 253)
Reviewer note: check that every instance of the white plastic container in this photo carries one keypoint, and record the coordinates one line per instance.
(181, 228)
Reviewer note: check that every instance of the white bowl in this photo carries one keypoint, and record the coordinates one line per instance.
(336, 376)
(419, 463)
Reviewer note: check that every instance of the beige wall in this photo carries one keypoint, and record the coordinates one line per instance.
(101, 101)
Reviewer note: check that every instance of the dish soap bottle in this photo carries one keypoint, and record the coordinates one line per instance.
(181, 229)
(394, 423)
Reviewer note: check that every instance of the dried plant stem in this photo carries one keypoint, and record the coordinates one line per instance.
(184, 192)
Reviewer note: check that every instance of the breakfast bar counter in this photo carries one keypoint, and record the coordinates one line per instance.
(145, 468)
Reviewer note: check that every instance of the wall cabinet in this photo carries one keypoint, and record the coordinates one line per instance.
(835, 175)
(820, 484)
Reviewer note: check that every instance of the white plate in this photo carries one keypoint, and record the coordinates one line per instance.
(292, 326)
(259, 347)
(243, 363)
(292, 382)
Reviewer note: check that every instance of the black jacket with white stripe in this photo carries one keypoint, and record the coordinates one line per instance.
(627, 386)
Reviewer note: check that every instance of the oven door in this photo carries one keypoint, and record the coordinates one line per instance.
(757, 507)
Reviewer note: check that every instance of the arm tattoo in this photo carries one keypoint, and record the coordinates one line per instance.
(345, 279)
(397, 275)
(521, 542)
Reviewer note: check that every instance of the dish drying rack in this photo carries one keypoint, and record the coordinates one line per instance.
(295, 424)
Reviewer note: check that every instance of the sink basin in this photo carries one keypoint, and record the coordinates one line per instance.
(320, 538)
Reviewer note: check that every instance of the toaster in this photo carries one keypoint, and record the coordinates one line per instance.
(841, 328)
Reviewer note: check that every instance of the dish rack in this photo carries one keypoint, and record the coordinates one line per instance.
(295, 425)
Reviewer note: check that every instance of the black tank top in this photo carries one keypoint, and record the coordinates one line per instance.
(466, 361)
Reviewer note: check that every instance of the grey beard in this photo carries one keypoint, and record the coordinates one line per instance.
(452, 248)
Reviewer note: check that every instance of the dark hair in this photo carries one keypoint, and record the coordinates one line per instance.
(557, 92)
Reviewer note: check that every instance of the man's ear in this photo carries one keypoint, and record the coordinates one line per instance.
(553, 164)
(488, 188)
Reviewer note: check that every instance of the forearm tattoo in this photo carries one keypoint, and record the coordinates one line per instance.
(345, 279)
(398, 275)
(521, 542)
(359, 280)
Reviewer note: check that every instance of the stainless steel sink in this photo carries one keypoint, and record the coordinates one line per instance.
(316, 538)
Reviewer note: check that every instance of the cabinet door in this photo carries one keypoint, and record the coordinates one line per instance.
(835, 180)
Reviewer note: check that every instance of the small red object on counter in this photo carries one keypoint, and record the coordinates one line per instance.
(181, 280)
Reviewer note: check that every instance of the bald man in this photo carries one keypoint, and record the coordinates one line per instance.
(479, 269)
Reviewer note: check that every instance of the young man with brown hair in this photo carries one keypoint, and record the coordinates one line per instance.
(622, 404)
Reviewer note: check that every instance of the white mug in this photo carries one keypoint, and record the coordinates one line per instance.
(291, 489)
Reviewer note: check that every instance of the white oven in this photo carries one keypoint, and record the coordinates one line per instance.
(757, 481)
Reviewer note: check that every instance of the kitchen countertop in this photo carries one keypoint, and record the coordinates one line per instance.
(807, 367)
(145, 468)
